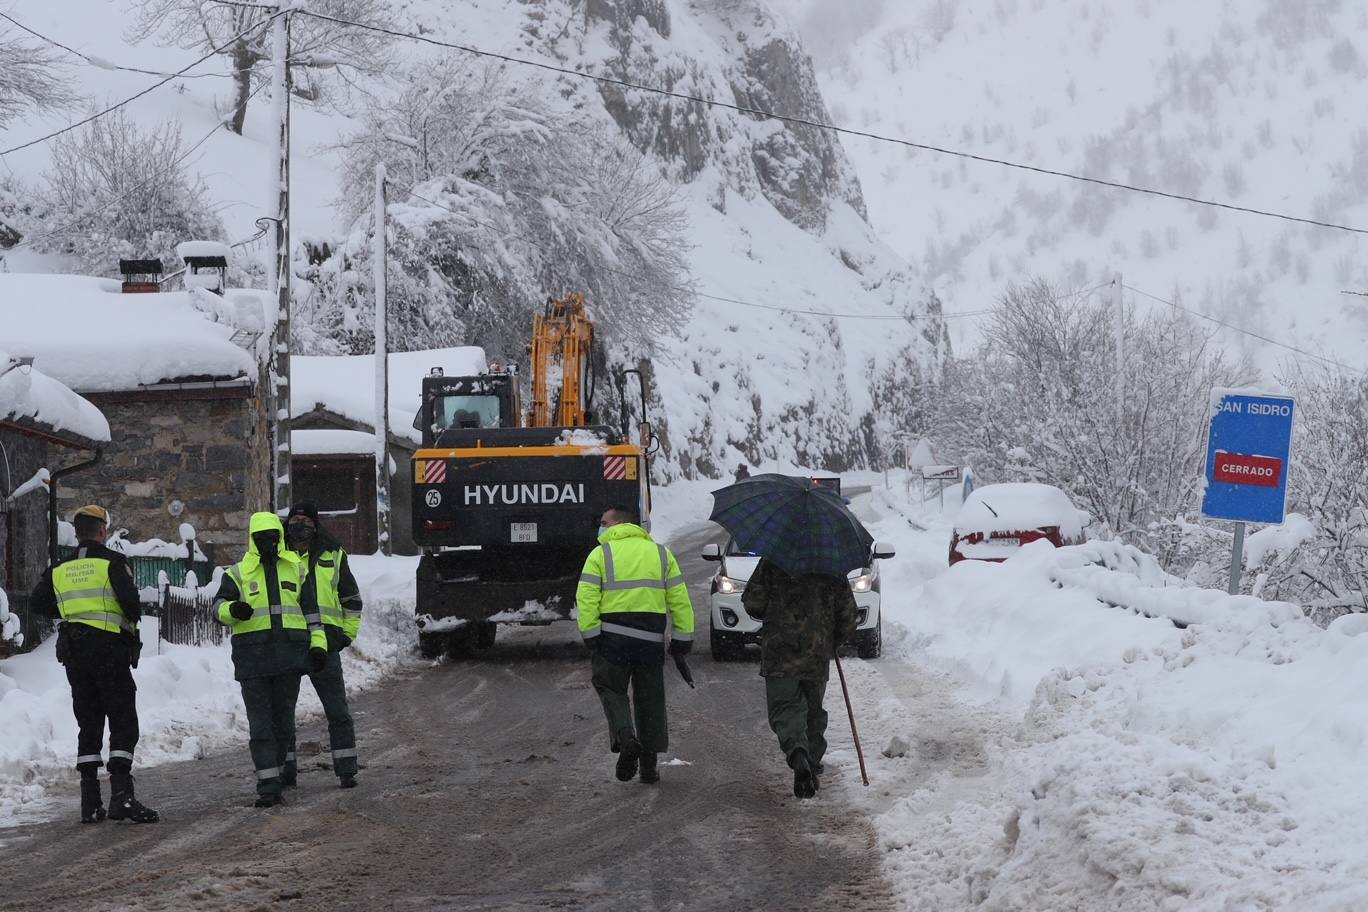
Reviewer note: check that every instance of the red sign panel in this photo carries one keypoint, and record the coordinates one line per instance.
(1260, 471)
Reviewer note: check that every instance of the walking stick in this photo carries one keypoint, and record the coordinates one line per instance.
(845, 692)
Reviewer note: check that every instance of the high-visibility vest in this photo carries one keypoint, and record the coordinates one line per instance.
(327, 582)
(85, 595)
(252, 589)
(628, 588)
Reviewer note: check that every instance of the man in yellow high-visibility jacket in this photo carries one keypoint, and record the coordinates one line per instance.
(277, 637)
(628, 589)
(94, 595)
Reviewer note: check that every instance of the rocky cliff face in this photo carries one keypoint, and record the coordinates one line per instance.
(780, 232)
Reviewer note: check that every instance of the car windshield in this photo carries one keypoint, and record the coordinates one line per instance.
(465, 412)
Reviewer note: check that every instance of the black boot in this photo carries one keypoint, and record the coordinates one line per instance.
(92, 805)
(122, 803)
(804, 780)
(628, 754)
(346, 782)
(649, 773)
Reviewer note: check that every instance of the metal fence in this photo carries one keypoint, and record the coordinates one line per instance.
(186, 616)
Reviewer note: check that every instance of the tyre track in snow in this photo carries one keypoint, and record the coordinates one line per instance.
(488, 785)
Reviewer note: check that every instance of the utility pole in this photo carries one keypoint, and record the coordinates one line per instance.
(280, 282)
(382, 479)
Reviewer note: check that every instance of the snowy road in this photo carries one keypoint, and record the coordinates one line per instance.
(488, 786)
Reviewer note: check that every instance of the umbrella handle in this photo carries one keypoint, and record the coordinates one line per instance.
(845, 692)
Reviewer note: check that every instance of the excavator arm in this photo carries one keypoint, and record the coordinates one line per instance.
(561, 341)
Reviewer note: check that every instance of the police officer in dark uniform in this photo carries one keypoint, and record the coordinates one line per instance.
(97, 640)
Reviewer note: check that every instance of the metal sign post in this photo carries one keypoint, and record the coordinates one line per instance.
(1249, 448)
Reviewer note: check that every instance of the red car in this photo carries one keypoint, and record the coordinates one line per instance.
(998, 519)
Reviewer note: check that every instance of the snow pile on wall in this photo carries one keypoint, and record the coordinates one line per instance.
(188, 702)
(1212, 767)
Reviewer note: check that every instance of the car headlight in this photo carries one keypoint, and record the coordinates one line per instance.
(862, 583)
(726, 585)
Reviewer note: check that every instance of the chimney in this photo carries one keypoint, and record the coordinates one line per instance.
(206, 264)
(141, 276)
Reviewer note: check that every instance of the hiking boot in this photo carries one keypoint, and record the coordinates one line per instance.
(92, 805)
(269, 801)
(289, 780)
(649, 773)
(804, 781)
(123, 805)
(628, 754)
(346, 782)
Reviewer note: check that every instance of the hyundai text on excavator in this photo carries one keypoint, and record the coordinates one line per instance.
(506, 504)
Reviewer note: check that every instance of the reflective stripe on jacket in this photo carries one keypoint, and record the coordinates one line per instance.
(85, 595)
(628, 586)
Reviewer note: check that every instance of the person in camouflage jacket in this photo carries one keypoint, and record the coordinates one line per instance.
(806, 618)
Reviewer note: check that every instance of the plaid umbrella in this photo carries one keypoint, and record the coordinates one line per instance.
(802, 527)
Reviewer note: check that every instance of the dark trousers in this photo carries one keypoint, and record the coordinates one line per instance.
(101, 691)
(332, 693)
(270, 703)
(646, 706)
(796, 715)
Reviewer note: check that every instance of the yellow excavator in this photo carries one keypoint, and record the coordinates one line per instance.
(506, 505)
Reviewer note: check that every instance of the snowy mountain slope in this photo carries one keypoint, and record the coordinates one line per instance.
(776, 215)
(1251, 103)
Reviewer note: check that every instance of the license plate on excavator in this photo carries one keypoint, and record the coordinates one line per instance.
(522, 532)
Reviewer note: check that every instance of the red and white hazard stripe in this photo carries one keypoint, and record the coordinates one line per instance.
(614, 468)
(434, 472)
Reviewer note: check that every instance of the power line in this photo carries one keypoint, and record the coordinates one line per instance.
(1241, 329)
(803, 121)
(102, 63)
(132, 98)
(701, 294)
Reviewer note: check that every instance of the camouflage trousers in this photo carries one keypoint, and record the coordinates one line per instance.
(796, 715)
(646, 707)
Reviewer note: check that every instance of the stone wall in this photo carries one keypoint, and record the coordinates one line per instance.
(180, 458)
(24, 525)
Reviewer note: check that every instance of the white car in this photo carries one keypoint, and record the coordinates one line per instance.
(733, 628)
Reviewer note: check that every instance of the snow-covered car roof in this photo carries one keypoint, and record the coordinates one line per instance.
(345, 384)
(1016, 506)
(84, 332)
(27, 394)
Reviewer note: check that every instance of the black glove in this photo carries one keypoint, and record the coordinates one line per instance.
(134, 649)
(595, 644)
(318, 659)
(240, 611)
(680, 648)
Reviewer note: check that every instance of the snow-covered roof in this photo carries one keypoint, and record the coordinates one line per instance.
(82, 331)
(204, 249)
(331, 442)
(1017, 506)
(345, 384)
(26, 393)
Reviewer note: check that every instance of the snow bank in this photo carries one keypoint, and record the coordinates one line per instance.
(103, 340)
(28, 393)
(188, 702)
(1154, 767)
(345, 384)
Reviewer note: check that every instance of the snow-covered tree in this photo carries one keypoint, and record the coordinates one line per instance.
(242, 34)
(496, 202)
(116, 190)
(1038, 401)
(31, 76)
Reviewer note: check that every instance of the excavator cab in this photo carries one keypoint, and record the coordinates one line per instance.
(467, 403)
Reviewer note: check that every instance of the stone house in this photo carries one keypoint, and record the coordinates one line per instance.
(179, 377)
(43, 425)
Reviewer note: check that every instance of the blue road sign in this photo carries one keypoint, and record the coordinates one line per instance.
(1248, 453)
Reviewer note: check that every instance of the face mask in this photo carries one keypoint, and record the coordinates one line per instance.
(602, 530)
(299, 533)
